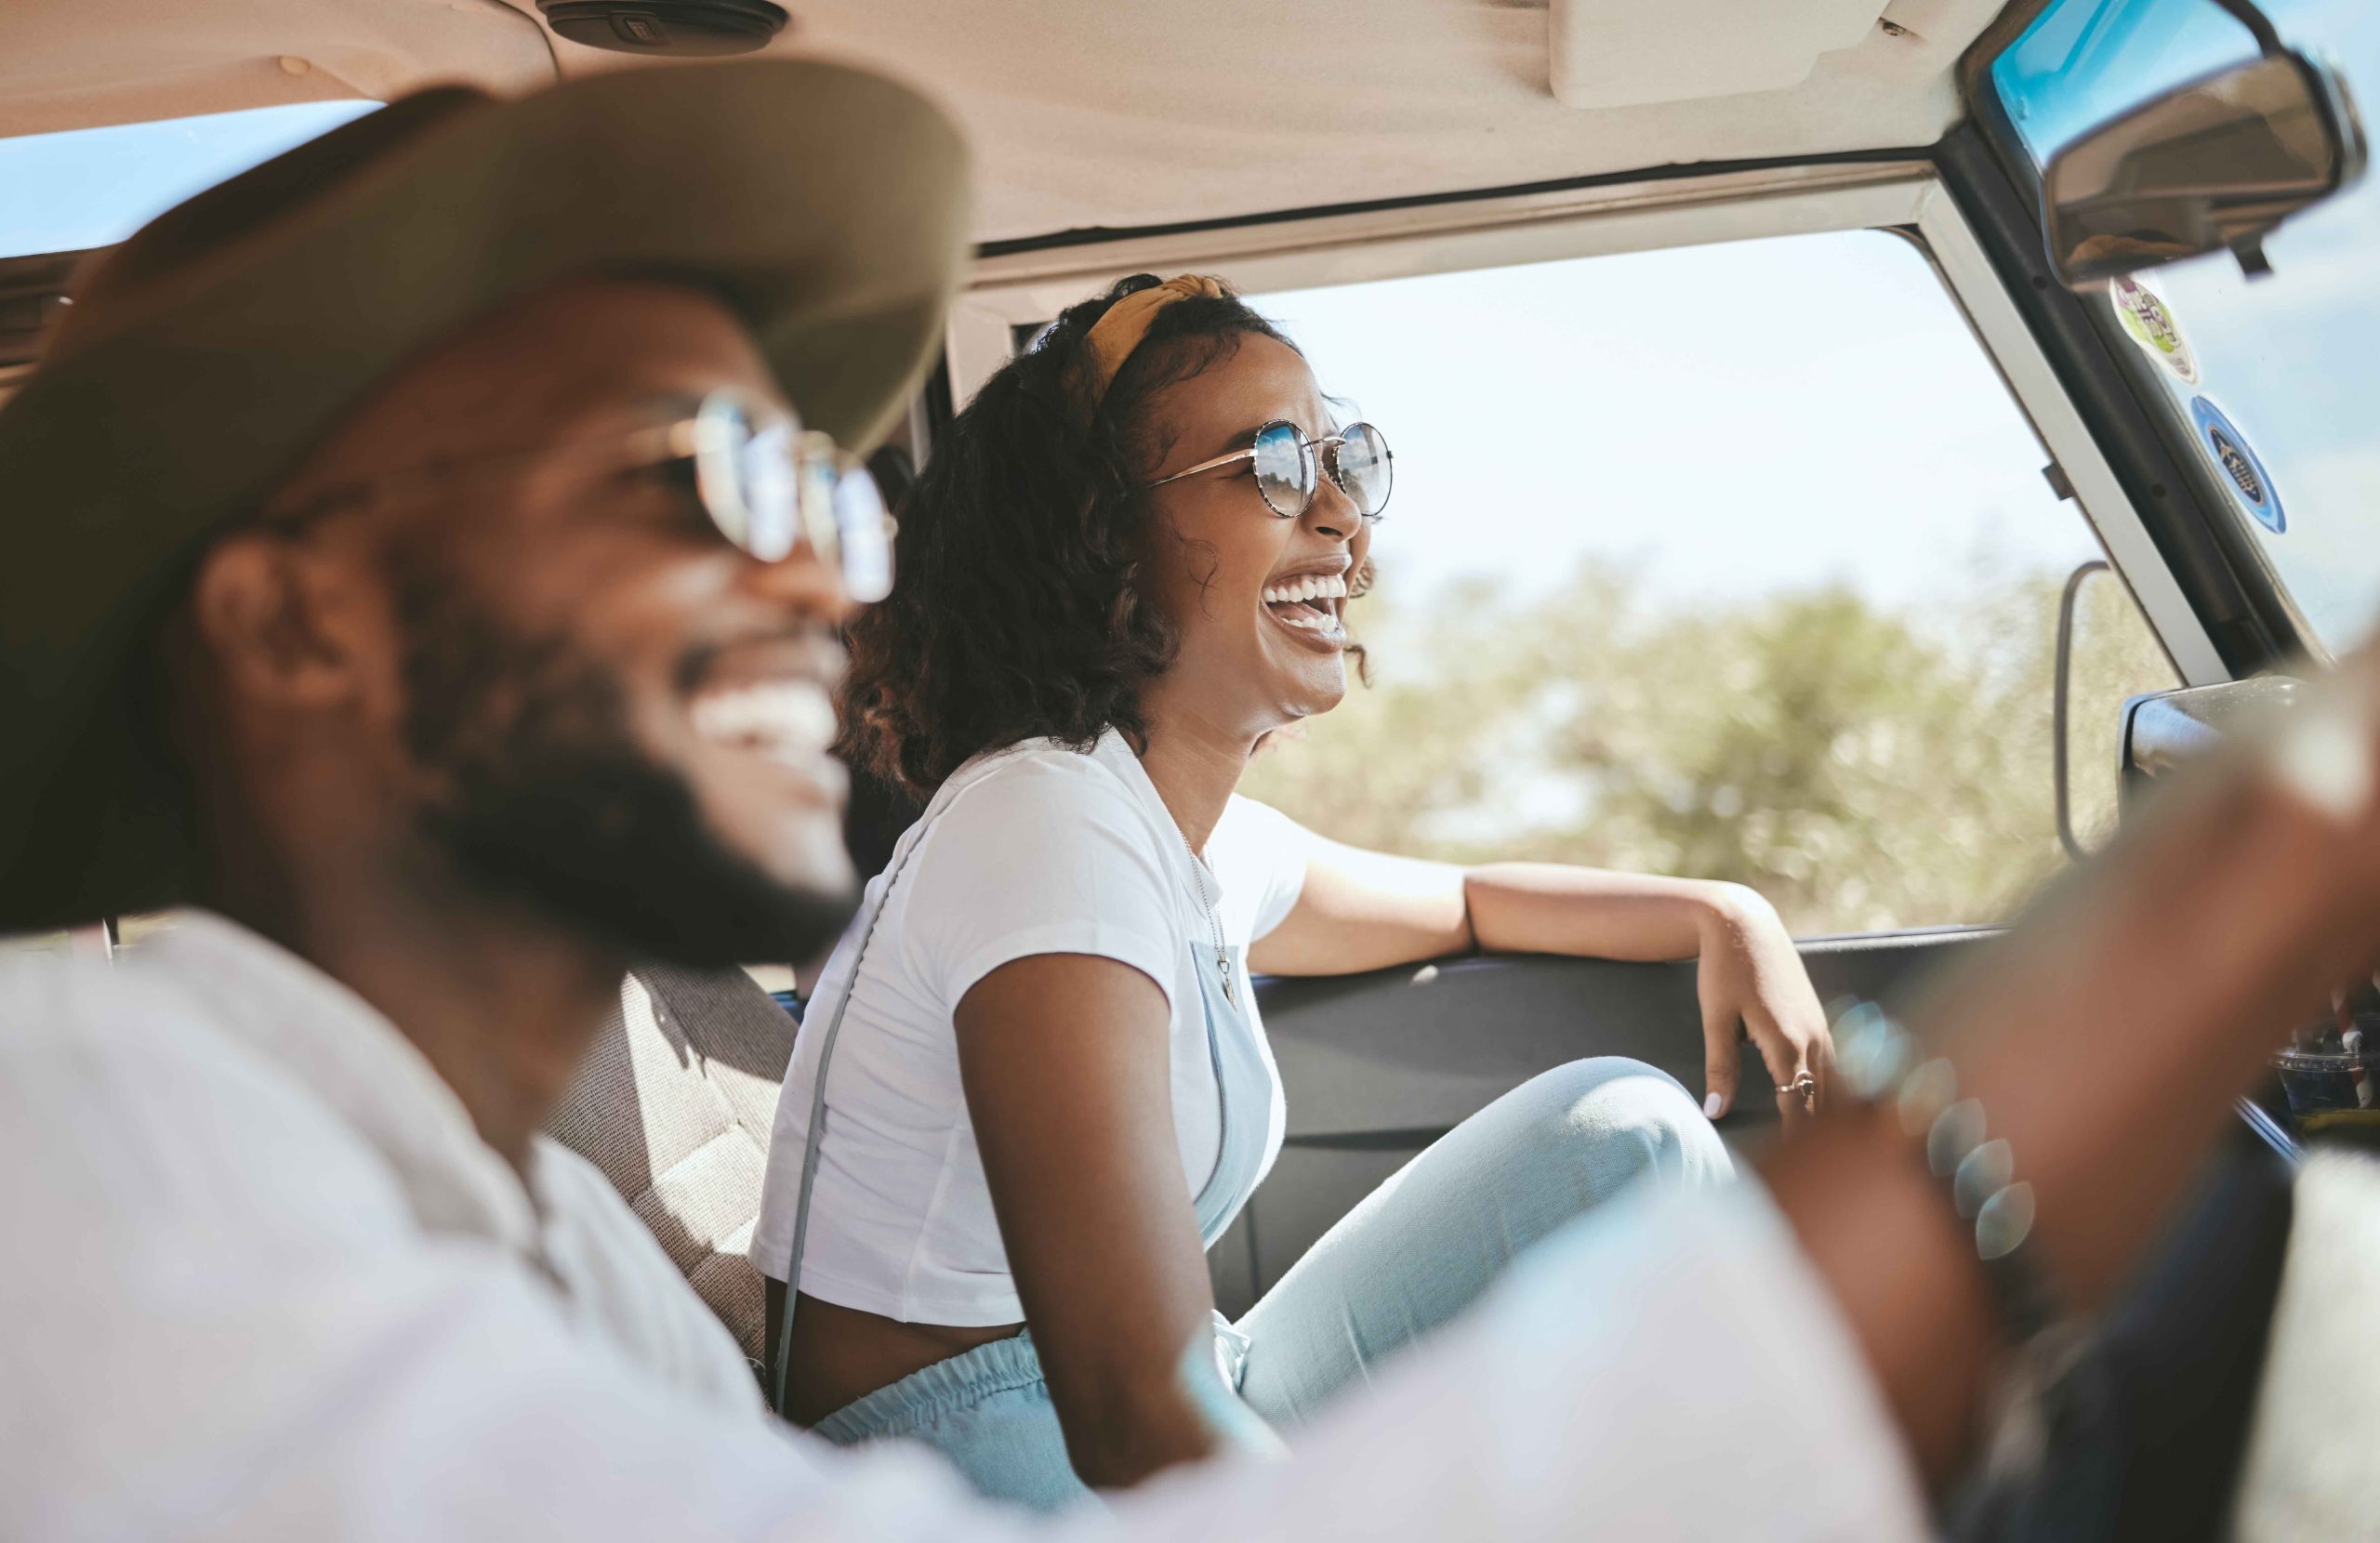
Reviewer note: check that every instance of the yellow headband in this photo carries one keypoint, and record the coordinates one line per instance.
(1115, 335)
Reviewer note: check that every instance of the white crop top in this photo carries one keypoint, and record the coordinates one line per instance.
(1031, 849)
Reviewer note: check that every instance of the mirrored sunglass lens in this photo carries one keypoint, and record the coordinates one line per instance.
(766, 488)
(865, 535)
(1364, 469)
(1284, 468)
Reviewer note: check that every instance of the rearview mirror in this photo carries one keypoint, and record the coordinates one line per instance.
(2213, 165)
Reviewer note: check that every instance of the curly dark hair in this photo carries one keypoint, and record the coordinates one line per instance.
(1015, 614)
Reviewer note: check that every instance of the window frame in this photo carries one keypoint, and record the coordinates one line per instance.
(1985, 163)
(1019, 289)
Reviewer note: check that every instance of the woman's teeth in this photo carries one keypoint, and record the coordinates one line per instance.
(788, 719)
(1310, 604)
(1313, 586)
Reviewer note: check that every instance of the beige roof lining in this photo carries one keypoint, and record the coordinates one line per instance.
(80, 64)
(1087, 114)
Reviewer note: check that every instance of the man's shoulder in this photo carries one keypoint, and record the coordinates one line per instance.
(54, 1005)
(111, 1080)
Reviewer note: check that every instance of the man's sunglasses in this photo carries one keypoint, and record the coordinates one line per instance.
(764, 480)
(1289, 467)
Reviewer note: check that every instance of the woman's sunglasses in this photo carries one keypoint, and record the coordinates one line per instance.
(1289, 467)
(764, 482)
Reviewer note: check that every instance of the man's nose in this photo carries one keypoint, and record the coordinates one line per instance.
(803, 583)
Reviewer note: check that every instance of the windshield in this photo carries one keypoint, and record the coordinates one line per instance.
(93, 186)
(2275, 382)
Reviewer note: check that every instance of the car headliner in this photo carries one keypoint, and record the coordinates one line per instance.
(1089, 113)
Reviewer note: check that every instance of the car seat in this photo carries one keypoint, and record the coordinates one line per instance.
(674, 1103)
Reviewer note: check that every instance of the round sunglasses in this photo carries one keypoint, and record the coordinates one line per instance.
(1289, 467)
(765, 482)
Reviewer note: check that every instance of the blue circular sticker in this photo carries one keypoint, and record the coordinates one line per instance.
(2243, 473)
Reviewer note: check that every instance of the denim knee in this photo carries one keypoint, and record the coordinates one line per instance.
(1626, 1115)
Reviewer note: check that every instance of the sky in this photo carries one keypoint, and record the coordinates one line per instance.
(1735, 420)
(67, 193)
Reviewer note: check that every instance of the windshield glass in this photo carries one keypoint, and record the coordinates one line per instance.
(93, 186)
(2275, 382)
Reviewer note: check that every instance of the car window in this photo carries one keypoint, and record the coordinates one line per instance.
(2269, 381)
(93, 186)
(1735, 562)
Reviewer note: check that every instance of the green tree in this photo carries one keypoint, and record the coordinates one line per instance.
(1865, 769)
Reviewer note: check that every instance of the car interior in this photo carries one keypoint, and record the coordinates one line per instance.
(1297, 145)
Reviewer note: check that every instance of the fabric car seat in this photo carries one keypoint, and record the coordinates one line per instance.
(674, 1104)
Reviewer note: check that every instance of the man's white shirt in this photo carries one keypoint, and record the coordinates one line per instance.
(262, 1280)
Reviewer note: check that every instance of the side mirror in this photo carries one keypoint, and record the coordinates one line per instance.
(2213, 165)
(2165, 731)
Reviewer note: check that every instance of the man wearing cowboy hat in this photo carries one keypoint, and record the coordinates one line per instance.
(423, 553)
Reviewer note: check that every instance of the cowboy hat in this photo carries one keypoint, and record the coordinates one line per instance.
(204, 357)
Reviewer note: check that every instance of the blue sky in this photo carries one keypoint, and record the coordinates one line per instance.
(1733, 419)
(63, 192)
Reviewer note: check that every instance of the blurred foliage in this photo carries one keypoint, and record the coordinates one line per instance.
(1864, 768)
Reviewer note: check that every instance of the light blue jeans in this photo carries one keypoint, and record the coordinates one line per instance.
(1413, 1254)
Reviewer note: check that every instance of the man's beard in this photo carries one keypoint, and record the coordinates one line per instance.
(550, 800)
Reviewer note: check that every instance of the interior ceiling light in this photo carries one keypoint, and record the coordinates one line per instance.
(667, 27)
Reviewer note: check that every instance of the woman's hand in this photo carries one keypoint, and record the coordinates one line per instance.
(1750, 982)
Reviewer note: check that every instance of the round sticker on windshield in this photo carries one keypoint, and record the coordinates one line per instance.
(2149, 320)
(2246, 475)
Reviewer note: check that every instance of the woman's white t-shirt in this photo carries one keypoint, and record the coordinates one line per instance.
(1031, 849)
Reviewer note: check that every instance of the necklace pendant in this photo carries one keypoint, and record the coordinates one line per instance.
(1223, 967)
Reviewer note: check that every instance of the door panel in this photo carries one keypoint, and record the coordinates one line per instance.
(1378, 1066)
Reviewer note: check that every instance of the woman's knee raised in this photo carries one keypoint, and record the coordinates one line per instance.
(1627, 1117)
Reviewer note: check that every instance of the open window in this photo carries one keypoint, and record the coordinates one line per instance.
(1720, 546)
(1734, 561)
(1732, 517)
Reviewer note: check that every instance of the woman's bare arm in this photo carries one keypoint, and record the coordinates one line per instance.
(1067, 1068)
(1361, 910)
(1364, 910)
